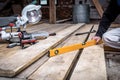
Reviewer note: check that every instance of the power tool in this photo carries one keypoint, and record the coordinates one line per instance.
(31, 14)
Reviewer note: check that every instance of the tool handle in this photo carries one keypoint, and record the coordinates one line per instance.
(28, 41)
(84, 33)
(13, 45)
(52, 34)
(88, 35)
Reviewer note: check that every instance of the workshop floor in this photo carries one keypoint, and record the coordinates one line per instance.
(90, 63)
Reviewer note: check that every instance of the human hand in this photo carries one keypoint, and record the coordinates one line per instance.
(96, 38)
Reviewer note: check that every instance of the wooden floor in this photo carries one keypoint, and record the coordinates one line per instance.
(33, 62)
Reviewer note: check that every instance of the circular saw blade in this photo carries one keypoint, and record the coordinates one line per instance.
(32, 13)
(33, 16)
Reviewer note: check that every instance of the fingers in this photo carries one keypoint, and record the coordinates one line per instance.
(97, 38)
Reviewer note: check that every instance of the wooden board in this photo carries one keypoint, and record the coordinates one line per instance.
(98, 7)
(17, 62)
(91, 64)
(64, 20)
(58, 67)
(107, 48)
(52, 11)
(1, 78)
(48, 27)
(31, 69)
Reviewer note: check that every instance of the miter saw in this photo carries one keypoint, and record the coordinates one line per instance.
(31, 14)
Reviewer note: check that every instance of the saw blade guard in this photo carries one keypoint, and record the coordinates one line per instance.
(32, 13)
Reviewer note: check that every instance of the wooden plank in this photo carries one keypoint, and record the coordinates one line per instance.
(27, 72)
(52, 12)
(58, 67)
(48, 27)
(2, 78)
(91, 64)
(98, 7)
(117, 25)
(107, 48)
(64, 20)
(23, 58)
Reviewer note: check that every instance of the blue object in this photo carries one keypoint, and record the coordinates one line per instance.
(34, 2)
(118, 2)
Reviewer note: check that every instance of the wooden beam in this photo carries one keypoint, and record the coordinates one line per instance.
(91, 64)
(52, 11)
(98, 7)
(58, 67)
(17, 62)
(64, 20)
(107, 48)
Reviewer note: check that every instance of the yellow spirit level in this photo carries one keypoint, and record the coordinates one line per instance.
(65, 49)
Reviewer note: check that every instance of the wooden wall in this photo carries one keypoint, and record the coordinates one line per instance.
(12, 7)
(63, 10)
